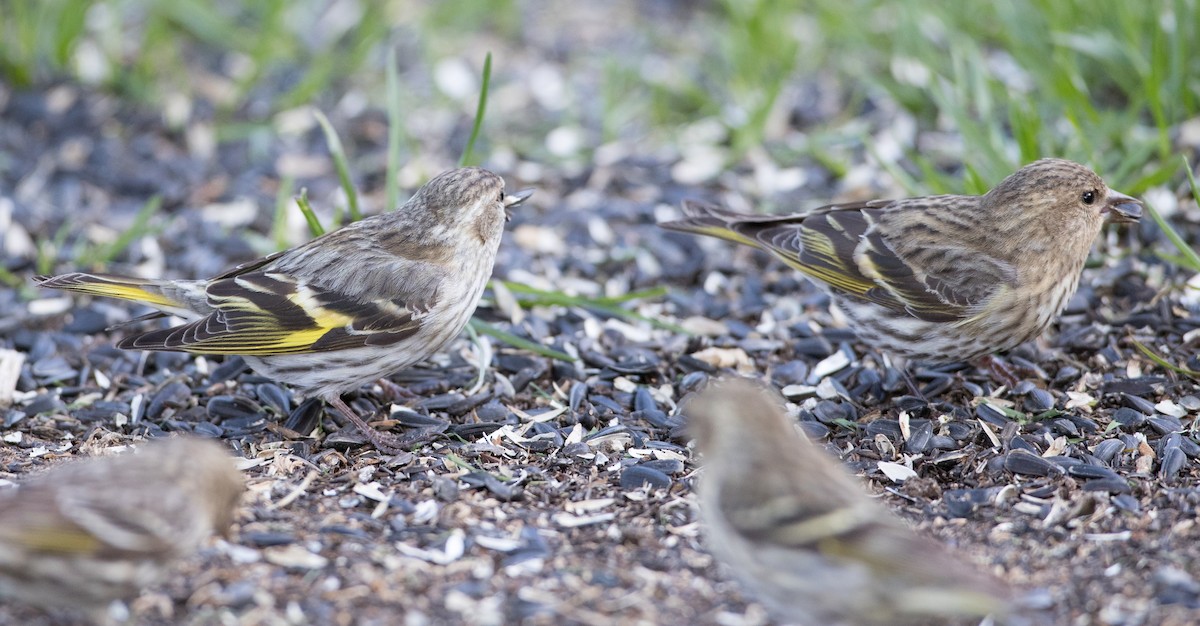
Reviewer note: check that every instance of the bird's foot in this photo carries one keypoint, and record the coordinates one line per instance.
(395, 393)
(912, 384)
(387, 443)
(999, 369)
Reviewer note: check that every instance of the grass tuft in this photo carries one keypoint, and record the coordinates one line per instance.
(310, 216)
(1161, 362)
(99, 256)
(480, 109)
(528, 296)
(1187, 256)
(395, 134)
(485, 328)
(342, 165)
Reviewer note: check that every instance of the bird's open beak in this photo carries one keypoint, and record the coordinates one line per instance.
(513, 199)
(1122, 208)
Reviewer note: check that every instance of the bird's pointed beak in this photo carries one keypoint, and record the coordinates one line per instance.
(1122, 208)
(513, 199)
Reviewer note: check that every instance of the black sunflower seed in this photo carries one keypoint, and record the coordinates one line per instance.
(232, 366)
(667, 466)
(636, 476)
(887, 427)
(693, 381)
(1127, 502)
(1092, 472)
(1109, 485)
(275, 397)
(920, 434)
(1019, 443)
(579, 392)
(643, 400)
(1172, 463)
(1039, 400)
(1126, 416)
(1139, 404)
(232, 407)
(1165, 424)
(1022, 462)
(1106, 450)
(304, 418)
(174, 394)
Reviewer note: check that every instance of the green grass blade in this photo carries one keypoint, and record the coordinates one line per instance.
(1153, 356)
(608, 306)
(480, 109)
(343, 167)
(521, 288)
(314, 224)
(9, 279)
(393, 144)
(47, 251)
(279, 220)
(102, 255)
(485, 328)
(1187, 255)
(1187, 167)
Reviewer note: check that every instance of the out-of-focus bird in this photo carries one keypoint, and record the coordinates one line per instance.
(801, 535)
(346, 308)
(92, 531)
(942, 278)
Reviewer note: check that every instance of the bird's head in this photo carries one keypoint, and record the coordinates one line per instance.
(216, 480)
(466, 202)
(1052, 204)
(1057, 188)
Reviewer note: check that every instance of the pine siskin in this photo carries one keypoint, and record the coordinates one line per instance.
(95, 530)
(801, 535)
(346, 308)
(942, 278)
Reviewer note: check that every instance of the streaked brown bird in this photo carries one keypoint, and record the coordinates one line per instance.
(801, 535)
(346, 308)
(92, 531)
(942, 278)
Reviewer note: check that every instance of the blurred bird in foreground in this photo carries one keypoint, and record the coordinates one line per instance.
(346, 308)
(803, 537)
(942, 278)
(92, 531)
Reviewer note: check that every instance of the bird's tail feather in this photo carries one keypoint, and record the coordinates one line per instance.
(703, 218)
(160, 294)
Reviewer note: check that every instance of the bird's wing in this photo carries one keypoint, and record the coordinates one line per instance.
(265, 312)
(786, 520)
(151, 521)
(820, 243)
(863, 533)
(927, 252)
(85, 518)
(34, 523)
(843, 246)
(837, 245)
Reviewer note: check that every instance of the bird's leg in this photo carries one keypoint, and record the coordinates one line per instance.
(394, 392)
(999, 369)
(905, 367)
(912, 383)
(384, 442)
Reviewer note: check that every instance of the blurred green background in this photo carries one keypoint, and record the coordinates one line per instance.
(963, 91)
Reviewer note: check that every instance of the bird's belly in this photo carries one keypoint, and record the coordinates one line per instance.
(936, 342)
(337, 371)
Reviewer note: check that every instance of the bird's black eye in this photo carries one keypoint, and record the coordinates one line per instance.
(1089, 197)
(502, 197)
